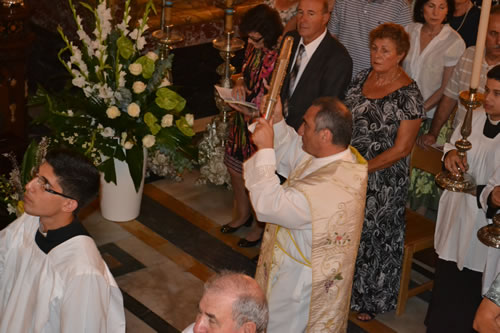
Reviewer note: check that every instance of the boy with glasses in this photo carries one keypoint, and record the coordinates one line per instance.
(52, 277)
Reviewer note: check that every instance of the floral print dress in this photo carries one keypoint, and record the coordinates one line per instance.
(375, 127)
(258, 66)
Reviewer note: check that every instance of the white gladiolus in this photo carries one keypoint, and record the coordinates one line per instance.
(113, 112)
(151, 55)
(167, 120)
(141, 42)
(190, 119)
(135, 69)
(138, 87)
(148, 141)
(133, 110)
(78, 81)
(121, 79)
(128, 145)
(70, 113)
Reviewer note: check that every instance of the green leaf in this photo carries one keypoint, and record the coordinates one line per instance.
(148, 66)
(29, 162)
(170, 100)
(125, 47)
(108, 169)
(135, 161)
(119, 153)
(184, 127)
(152, 123)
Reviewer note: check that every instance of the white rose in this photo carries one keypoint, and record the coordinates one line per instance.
(151, 55)
(167, 120)
(148, 141)
(190, 119)
(164, 83)
(135, 69)
(138, 87)
(70, 113)
(113, 112)
(133, 110)
(128, 145)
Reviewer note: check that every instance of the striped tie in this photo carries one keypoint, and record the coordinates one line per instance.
(295, 70)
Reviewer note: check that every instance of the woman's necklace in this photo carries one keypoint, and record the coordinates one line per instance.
(465, 16)
(382, 81)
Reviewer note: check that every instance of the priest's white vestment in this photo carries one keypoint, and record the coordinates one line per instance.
(69, 289)
(309, 247)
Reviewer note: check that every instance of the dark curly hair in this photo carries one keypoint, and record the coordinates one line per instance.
(395, 32)
(418, 10)
(264, 20)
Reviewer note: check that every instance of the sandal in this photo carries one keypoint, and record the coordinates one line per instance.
(370, 316)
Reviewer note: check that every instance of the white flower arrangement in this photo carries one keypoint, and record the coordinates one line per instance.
(120, 100)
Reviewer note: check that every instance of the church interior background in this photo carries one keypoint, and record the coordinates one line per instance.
(161, 259)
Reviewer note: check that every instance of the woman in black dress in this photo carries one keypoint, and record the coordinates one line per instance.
(387, 108)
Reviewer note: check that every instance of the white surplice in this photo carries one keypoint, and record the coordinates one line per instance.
(290, 291)
(459, 217)
(69, 289)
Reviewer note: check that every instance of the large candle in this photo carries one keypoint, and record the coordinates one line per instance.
(168, 12)
(229, 19)
(481, 39)
(229, 3)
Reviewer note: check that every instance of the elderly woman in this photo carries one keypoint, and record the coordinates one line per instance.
(387, 108)
(434, 52)
(263, 27)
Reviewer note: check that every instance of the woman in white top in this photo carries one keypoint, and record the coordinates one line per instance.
(435, 50)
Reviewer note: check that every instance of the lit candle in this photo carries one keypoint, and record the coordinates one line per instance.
(481, 39)
(168, 12)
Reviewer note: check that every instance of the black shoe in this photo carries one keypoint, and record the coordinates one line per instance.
(246, 243)
(227, 229)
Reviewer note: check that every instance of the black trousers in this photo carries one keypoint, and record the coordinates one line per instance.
(455, 298)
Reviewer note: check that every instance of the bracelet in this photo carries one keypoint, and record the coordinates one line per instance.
(240, 78)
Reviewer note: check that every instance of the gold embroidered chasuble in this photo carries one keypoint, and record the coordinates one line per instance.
(336, 196)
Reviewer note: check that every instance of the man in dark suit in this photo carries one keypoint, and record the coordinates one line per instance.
(319, 65)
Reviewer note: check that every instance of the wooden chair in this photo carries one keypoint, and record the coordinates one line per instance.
(419, 229)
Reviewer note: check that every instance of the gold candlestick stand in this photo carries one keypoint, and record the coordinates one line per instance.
(462, 181)
(211, 147)
(166, 37)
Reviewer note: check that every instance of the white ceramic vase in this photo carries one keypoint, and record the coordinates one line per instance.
(120, 202)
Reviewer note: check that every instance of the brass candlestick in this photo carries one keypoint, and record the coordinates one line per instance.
(489, 235)
(227, 45)
(166, 36)
(462, 181)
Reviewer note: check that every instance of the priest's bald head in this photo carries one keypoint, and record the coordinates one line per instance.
(232, 303)
(64, 182)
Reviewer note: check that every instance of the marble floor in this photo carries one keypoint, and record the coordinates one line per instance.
(161, 259)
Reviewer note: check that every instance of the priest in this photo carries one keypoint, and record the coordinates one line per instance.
(52, 277)
(465, 264)
(315, 218)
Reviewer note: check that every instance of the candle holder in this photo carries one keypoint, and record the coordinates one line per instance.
(462, 181)
(166, 37)
(227, 45)
(489, 235)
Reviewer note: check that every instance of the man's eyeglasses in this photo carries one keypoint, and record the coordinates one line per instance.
(255, 40)
(45, 185)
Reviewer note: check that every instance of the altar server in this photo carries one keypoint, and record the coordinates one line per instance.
(52, 277)
(465, 264)
(309, 248)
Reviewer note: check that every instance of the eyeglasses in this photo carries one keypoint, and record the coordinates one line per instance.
(255, 40)
(45, 185)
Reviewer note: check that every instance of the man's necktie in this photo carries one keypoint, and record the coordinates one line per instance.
(295, 70)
